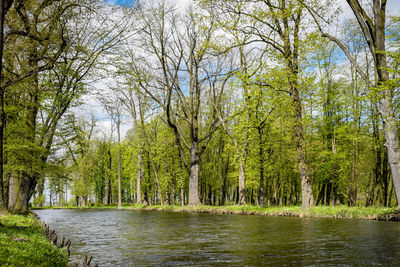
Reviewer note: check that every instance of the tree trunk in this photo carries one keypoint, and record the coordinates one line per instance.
(242, 183)
(261, 155)
(20, 188)
(321, 195)
(390, 196)
(173, 190)
(377, 154)
(374, 33)
(41, 191)
(138, 179)
(107, 199)
(182, 198)
(386, 180)
(66, 194)
(368, 191)
(119, 163)
(392, 141)
(194, 175)
(2, 124)
(147, 191)
(151, 156)
(19, 194)
(306, 188)
(385, 103)
(209, 195)
(328, 193)
(2, 115)
(224, 173)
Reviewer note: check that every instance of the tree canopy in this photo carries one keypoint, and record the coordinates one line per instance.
(277, 102)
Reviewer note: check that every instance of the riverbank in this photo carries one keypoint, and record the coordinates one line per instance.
(345, 212)
(23, 242)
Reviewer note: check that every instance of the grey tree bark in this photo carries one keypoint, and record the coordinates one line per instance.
(194, 176)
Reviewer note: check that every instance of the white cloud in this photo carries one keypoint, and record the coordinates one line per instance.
(392, 8)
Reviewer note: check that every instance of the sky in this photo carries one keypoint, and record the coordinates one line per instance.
(121, 2)
(92, 106)
(392, 8)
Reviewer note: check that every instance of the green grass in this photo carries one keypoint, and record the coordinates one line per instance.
(294, 211)
(372, 213)
(24, 243)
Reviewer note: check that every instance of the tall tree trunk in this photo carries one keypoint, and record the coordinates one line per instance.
(107, 199)
(138, 179)
(385, 180)
(224, 172)
(242, 183)
(385, 103)
(3, 200)
(291, 54)
(194, 175)
(2, 124)
(119, 162)
(173, 187)
(352, 193)
(377, 149)
(373, 29)
(306, 188)
(390, 130)
(374, 33)
(147, 195)
(261, 155)
(150, 154)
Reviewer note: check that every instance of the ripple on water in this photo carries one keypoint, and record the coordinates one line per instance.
(127, 238)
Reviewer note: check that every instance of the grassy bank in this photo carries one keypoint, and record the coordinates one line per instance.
(24, 243)
(371, 213)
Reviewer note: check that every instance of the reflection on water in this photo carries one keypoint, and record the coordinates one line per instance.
(148, 238)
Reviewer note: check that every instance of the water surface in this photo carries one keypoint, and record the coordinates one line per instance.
(151, 238)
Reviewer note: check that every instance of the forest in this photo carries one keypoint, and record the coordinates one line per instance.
(207, 102)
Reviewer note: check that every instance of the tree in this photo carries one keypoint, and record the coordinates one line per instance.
(373, 29)
(113, 106)
(278, 24)
(180, 89)
(129, 100)
(30, 31)
(63, 79)
(5, 5)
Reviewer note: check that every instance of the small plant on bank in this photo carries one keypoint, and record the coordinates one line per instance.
(23, 242)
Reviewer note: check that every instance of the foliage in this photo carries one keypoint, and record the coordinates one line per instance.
(23, 242)
(240, 105)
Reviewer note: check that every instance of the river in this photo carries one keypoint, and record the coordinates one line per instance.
(151, 238)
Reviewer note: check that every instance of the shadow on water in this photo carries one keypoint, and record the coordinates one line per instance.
(127, 238)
